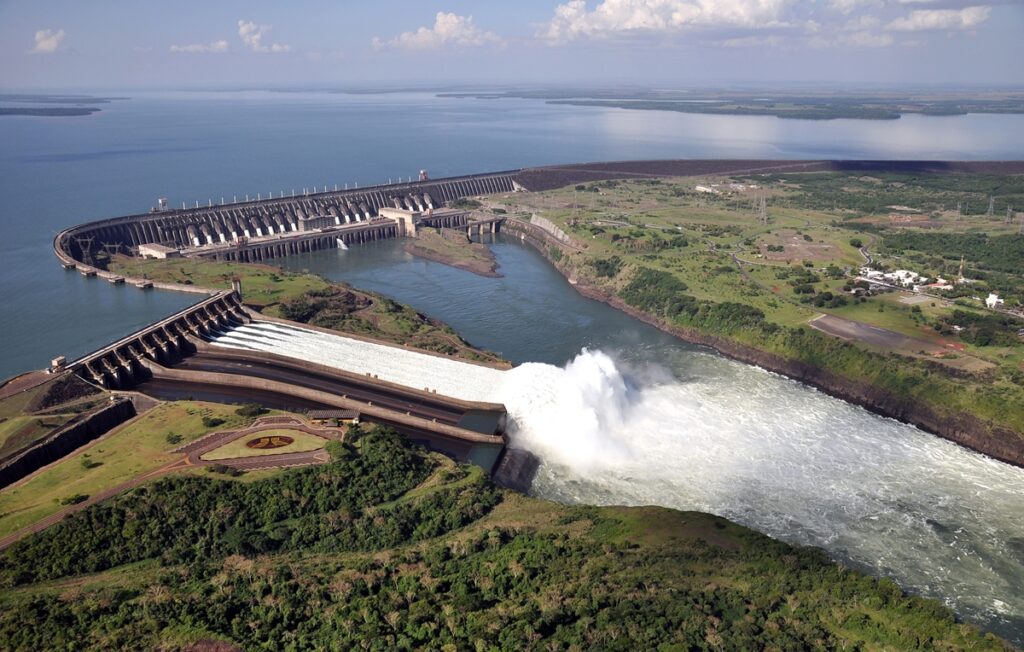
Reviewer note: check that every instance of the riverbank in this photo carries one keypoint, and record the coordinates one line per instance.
(960, 427)
(454, 250)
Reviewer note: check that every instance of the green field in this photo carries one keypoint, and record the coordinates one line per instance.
(134, 449)
(398, 549)
(301, 442)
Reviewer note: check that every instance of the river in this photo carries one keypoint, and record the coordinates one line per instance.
(621, 413)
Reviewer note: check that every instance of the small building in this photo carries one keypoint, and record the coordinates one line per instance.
(154, 250)
(340, 416)
(406, 219)
(315, 222)
(993, 301)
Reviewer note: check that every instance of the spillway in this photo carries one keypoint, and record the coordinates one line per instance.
(413, 369)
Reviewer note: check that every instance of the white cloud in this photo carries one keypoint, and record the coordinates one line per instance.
(752, 42)
(940, 19)
(48, 41)
(865, 39)
(215, 47)
(252, 35)
(572, 20)
(846, 6)
(859, 39)
(861, 23)
(448, 30)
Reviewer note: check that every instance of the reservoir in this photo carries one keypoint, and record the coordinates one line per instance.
(205, 146)
(621, 413)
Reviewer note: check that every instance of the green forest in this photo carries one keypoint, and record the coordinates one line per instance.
(389, 547)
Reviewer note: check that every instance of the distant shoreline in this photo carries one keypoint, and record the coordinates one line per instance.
(48, 112)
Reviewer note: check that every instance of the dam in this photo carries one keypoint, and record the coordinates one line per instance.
(267, 227)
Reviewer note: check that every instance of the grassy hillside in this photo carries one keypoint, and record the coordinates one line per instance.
(388, 547)
(310, 299)
(701, 254)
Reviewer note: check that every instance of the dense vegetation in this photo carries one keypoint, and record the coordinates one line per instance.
(1004, 253)
(184, 519)
(387, 548)
(662, 294)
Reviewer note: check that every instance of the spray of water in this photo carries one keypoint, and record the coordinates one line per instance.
(737, 441)
(781, 458)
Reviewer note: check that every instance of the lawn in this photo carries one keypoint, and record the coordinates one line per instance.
(301, 442)
(262, 285)
(136, 448)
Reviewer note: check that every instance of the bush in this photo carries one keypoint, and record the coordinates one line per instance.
(74, 499)
(212, 422)
(251, 410)
(607, 267)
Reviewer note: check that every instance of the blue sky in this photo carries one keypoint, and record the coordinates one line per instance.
(125, 44)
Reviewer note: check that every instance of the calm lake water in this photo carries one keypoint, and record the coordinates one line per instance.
(56, 172)
(638, 417)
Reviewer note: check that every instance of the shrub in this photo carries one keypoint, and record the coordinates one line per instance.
(251, 410)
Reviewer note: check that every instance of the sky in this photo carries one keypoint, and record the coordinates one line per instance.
(197, 44)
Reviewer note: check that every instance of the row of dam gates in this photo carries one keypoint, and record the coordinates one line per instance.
(275, 226)
(177, 351)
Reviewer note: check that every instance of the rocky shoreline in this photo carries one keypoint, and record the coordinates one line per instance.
(964, 429)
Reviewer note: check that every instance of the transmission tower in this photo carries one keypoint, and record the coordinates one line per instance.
(1009, 215)
(959, 210)
(763, 211)
(112, 248)
(991, 207)
(85, 246)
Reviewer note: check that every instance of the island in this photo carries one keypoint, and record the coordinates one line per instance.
(454, 249)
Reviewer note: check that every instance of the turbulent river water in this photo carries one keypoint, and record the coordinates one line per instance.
(620, 413)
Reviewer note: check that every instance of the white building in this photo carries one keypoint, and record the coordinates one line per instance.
(993, 301)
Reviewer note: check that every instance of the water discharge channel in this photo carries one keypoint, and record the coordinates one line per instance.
(620, 413)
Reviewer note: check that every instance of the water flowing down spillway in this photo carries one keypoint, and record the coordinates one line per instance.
(743, 443)
(389, 363)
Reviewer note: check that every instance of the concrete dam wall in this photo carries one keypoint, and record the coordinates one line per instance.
(271, 226)
(122, 364)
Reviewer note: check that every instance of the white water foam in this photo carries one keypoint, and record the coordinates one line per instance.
(746, 444)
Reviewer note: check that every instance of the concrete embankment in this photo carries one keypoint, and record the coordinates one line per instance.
(71, 436)
(964, 429)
